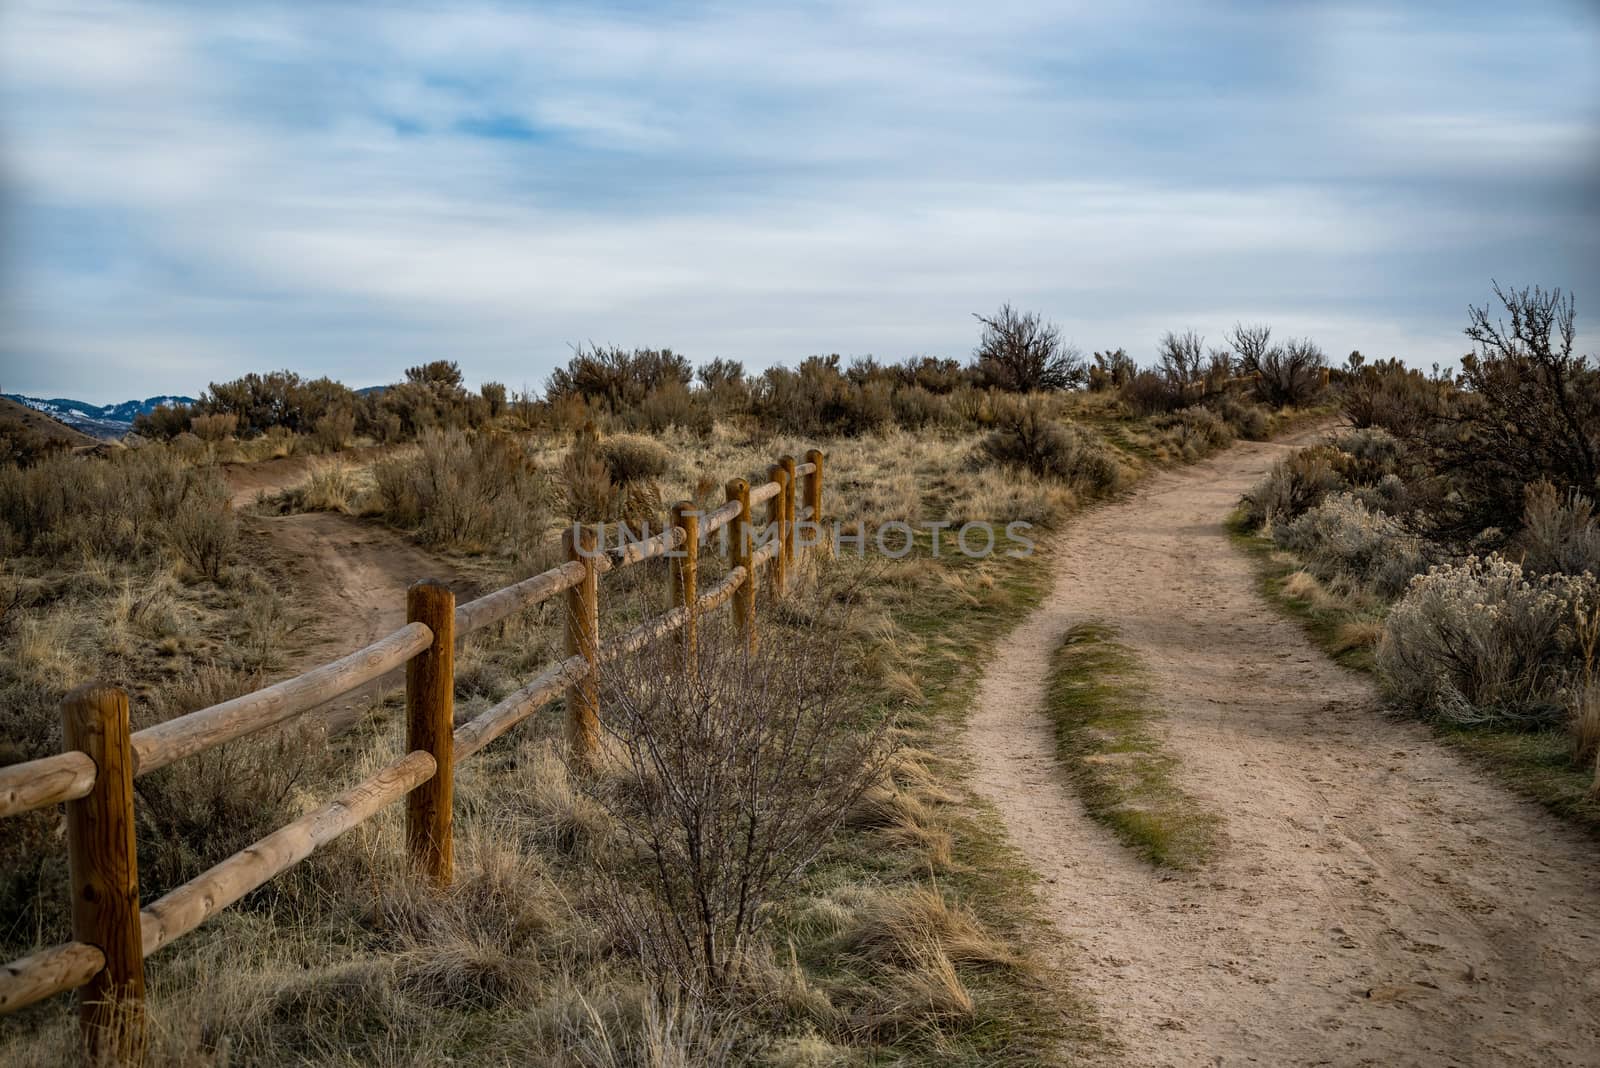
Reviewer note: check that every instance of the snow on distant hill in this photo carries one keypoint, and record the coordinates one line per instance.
(100, 420)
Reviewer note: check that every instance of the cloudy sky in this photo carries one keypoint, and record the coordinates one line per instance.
(190, 190)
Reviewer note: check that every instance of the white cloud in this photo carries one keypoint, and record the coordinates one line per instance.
(233, 188)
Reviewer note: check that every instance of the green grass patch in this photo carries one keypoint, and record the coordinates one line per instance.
(1534, 764)
(1103, 712)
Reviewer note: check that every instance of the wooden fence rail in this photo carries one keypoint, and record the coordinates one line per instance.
(112, 933)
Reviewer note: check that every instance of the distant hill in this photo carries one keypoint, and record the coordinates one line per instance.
(26, 433)
(98, 420)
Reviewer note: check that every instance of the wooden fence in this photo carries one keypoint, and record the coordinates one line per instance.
(113, 931)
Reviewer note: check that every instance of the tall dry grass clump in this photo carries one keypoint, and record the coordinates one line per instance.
(1559, 532)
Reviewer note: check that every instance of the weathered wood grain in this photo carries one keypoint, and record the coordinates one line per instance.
(157, 746)
(47, 781)
(430, 728)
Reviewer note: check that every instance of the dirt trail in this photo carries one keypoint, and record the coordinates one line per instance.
(1376, 901)
(352, 575)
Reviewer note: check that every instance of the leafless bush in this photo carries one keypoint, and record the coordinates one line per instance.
(204, 533)
(614, 479)
(1250, 345)
(1111, 370)
(617, 379)
(586, 479)
(213, 428)
(472, 490)
(1296, 484)
(334, 430)
(1181, 358)
(736, 771)
(1291, 373)
(1026, 437)
(1530, 410)
(672, 404)
(1148, 393)
(1022, 353)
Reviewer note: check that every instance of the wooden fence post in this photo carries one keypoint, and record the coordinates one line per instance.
(430, 727)
(744, 598)
(686, 575)
(104, 871)
(791, 525)
(778, 579)
(583, 639)
(813, 495)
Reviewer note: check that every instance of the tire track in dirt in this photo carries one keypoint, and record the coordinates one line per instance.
(1376, 901)
(350, 576)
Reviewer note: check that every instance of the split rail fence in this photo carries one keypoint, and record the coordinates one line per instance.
(113, 931)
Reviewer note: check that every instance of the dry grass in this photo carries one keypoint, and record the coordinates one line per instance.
(1584, 725)
(905, 943)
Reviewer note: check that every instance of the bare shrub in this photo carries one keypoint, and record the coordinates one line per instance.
(917, 408)
(1291, 373)
(1148, 393)
(591, 496)
(1199, 430)
(1286, 374)
(735, 773)
(470, 490)
(1111, 370)
(1027, 437)
(1022, 353)
(219, 427)
(1181, 359)
(1559, 535)
(1540, 411)
(334, 430)
(671, 404)
(1480, 642)
(1296, 484)
(617, 379)
(204, 533)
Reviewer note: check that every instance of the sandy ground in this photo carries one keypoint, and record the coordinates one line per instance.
(352, 575)
(1376, 901)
